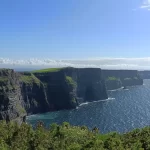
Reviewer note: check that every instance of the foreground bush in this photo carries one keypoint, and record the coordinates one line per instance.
(67, 137)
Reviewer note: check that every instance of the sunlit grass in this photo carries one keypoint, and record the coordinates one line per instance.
(67, 137)
(47, 70)
(30, 79)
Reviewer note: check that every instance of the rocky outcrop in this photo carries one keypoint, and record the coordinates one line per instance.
(38, 92)
(113, 84)
(118, 78)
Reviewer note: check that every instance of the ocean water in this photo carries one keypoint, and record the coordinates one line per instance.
(123, 111)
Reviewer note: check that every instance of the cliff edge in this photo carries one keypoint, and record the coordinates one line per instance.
(117, 78)
(48, 90)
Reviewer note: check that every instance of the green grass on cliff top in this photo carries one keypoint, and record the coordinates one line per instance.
(29, 79)
(112, 78)
(47, 70)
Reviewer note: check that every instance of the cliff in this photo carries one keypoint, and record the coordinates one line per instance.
(144, 74)
(73, 85)
(117, 78)
(90, 83)
(11, 100)
(48, 90)
(113, 83)
(33, 93)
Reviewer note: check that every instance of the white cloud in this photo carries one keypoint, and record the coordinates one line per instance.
(104, 63)
(145, 4)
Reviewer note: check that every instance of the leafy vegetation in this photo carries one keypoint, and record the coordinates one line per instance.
(67, 137)
(30, 79)
(112, 79)
(73, 100)
(47, 70)
(20, 109)
(70, 81)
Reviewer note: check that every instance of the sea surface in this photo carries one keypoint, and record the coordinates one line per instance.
(123, 111)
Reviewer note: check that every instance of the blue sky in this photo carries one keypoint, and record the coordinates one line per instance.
(74, 29)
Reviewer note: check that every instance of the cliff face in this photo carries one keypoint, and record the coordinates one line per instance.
(90, 84)
(132, 81)
(60, 91)
(144, 74)
(69, 87)
(11, 100)
(33, 94)
(113, 84)
(126, 77)
(37, 92)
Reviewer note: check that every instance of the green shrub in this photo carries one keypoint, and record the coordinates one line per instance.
(73, 100)
(70, 81)
(112, 79)
(20, 109)
(67, 137)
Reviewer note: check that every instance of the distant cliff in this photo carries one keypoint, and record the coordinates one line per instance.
(144, 74)
(48, 90)
(117, 78)
(113, 83)
(73, 86)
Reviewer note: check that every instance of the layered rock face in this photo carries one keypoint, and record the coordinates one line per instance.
(60, 90)
(118, 78)
(70, 86)
(38, 92)
(90, 84)
(33, 93)
(11, 100)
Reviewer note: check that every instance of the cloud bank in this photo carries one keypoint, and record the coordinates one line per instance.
(104, 63)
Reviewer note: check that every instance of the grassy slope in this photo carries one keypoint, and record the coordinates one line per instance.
(47, 70)
(29, 79)
(70, 81)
